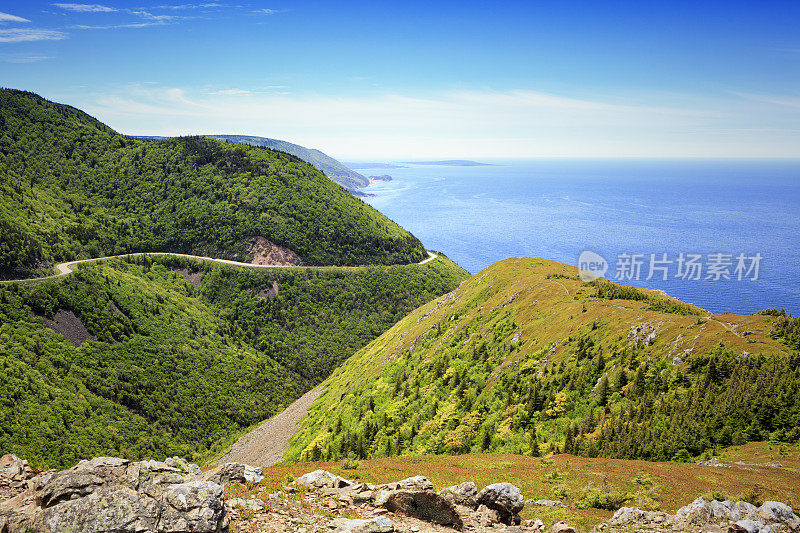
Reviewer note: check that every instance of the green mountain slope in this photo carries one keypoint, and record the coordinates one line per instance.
(174, 367)
(526, 358)
(71, 188)
(349, 179)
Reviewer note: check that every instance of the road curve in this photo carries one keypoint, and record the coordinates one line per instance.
(67, 268)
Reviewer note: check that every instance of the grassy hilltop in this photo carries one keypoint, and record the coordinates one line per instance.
(72, 188)
(526, 358)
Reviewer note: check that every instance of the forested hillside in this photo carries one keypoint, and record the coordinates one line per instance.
(347, 178)
(179, 355)
(72, 188)
(526, 358)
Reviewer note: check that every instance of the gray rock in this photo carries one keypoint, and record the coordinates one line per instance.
(546, 503)
(722, 509)
(627, 515)
(183, 465)
(415, 483)
(14, 469)
(746, 526)
(698, 512)
(378, 524)
(422, 504)
(321, 479)
(486, 517)
(562, 527)
(463, 494)
(113, 495)
(744, 511)
(778, 512)
(233, 473)
(504, 498)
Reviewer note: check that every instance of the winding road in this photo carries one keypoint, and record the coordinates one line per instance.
(65, 269)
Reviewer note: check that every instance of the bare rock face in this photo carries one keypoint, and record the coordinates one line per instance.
(504, 498)
(108, 494)
(266, 252)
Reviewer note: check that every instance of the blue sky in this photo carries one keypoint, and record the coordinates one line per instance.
(426, 79)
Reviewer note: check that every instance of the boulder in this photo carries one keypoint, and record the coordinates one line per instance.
(562, 527)
(108, 494)
(378, 524)
(422, 504)
(410, 483)
(462, 494)
(780, 513)
(321, 479)
(627, 515)
(504, 498)
(233, 473)
(697, 513)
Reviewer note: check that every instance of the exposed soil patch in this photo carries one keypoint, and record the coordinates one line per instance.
(266, 252)
(194, 277)
(265, 445)
(271, 293)
(68, 324)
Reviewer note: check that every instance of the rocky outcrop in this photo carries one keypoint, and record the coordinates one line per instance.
(701, 514)
(115, 495)
(504, 498)
(233, 473)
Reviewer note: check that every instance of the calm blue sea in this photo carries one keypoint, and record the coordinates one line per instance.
(557, 209)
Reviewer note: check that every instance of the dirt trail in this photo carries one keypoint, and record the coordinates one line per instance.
(265, 445)
(67, 268)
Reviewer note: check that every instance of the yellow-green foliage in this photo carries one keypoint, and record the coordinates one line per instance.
(525, 358)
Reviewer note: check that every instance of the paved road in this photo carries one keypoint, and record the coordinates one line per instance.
(67, 268)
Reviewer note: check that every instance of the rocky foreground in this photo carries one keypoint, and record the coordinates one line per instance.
(108, 494)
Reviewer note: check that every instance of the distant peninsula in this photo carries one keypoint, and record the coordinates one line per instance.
(382, 177)
(373, 166)
(451, 163)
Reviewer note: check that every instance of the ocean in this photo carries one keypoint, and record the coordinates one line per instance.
(725, 234)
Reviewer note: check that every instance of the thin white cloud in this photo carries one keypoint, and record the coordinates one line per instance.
(19, 35)
(163, 19)
(266, 11)
(21, 59)
(7, 17)
(232, 92)
(784, 101)
(115, 26)
(87, 8)
(189, 6)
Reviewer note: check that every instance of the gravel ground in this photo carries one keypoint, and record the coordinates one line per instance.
(265, 445)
